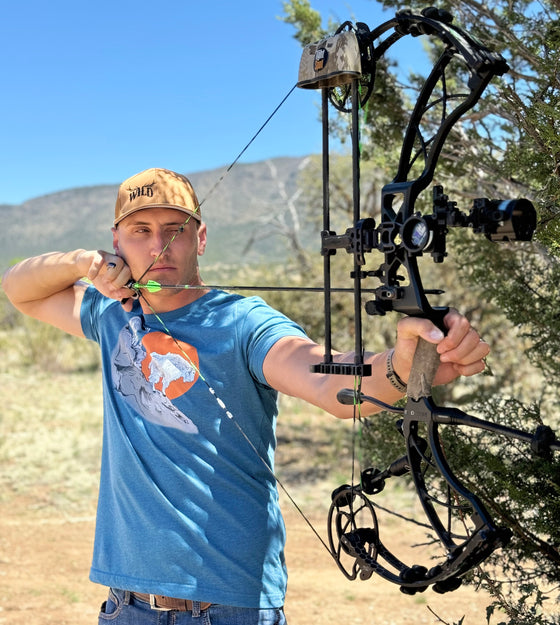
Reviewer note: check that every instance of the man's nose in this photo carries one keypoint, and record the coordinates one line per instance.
(158, 242)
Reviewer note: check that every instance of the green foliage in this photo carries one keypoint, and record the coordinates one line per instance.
(506, 474)
(523, 282)
(308, 21)
(522, 577)
(509, 147)
(523, 607)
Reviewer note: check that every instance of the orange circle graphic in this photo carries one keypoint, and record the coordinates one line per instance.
(170, 365)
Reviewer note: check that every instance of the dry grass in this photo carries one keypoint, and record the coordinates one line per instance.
(50, 441)
(50, 437)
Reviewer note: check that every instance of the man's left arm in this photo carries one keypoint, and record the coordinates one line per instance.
(287, 364)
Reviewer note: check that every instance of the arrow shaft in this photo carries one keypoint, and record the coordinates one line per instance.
(154, 287)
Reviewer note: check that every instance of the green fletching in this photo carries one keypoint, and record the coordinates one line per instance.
(152, 286)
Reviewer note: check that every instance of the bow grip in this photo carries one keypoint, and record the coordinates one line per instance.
(425, 362)
(422, 373)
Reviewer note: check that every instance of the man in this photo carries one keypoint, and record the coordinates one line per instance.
(188, 518)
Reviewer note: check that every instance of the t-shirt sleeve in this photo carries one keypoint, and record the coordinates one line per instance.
(262, 327)
(93, 306)
(90, 304)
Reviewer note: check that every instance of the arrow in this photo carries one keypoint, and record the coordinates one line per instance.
(154, 287)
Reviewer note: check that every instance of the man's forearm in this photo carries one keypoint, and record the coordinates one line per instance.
(41, 276)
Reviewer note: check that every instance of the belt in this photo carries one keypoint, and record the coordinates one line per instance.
(159, 602)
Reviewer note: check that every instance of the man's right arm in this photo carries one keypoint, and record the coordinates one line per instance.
(49, 287)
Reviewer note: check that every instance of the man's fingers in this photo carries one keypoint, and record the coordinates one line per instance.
(117, 272)
(127, 303)
(461, 349)
(471, 369)
(465, 350)
(410, 328)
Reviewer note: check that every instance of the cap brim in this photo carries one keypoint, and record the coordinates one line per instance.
(195, 215)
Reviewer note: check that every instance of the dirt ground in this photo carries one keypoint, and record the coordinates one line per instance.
(47, 520)
(44, 563)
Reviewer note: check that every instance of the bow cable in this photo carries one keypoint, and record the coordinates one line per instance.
(138, 285)
(240, 429)
(152, 286)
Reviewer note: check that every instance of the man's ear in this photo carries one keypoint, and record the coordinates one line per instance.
(202, 238)
(115, 240)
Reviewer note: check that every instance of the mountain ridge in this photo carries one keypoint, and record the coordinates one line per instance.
(235, 204)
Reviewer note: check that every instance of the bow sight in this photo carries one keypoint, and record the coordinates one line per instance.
(498, 220)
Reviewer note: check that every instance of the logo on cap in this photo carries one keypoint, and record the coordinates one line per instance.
(144, 191)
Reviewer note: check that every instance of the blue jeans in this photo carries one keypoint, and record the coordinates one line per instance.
(122, 609)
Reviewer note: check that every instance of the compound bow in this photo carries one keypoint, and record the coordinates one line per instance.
(402, 236)
(343, 67)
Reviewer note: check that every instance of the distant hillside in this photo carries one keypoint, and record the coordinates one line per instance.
(248, 196)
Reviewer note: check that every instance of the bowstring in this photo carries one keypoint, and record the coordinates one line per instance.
(238, 426)
(136, 286)
(356, 429)
(357, 412)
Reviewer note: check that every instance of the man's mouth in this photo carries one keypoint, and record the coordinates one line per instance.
(158, 268)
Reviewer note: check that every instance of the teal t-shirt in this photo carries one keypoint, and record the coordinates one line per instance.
(187, 507)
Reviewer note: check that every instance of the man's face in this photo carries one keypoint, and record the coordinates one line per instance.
(140, 238)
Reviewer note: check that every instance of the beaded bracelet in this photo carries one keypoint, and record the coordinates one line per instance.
(392, 375)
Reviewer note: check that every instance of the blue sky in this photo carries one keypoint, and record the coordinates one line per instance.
(94, 91)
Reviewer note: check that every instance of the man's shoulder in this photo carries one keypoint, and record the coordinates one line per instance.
(225, 299)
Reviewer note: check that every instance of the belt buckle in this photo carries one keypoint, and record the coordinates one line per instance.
(156, 607)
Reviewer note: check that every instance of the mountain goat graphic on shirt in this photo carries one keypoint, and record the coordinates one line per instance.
(169, 367)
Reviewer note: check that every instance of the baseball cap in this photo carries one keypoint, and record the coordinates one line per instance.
(156, 188)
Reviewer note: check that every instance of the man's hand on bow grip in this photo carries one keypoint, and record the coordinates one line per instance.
(461, 349)
(109, 274)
